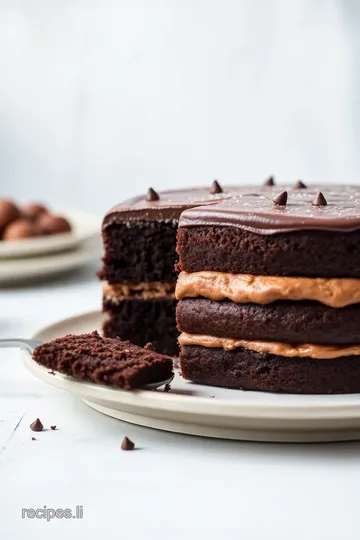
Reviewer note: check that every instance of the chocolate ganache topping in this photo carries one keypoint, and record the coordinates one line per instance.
(256, 212)
(247, 207)
(168, 206)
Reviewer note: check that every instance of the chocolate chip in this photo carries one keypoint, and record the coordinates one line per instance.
(33, 439)
(281, 199)
(127, 444)
(53, 428)
(300, 185)
(152, 195)
(269, 181)
(36, 425)
(319, 200)
(167, 387)
(215, 188)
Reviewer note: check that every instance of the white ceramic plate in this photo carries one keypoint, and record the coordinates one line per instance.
(14, 271)
(84, 227)
(210, 411)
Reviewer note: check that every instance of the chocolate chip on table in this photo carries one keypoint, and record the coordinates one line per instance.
(37, 425)
(33, 439)
(281, 199)
(127, 444)
(53, 428)
(319, 200)
(215, 188)
(152, 195)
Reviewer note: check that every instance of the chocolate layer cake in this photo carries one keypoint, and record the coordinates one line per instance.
(269, 291)
(139, 237)
(112, 362)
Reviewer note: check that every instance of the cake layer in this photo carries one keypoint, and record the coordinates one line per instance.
(143, 321)
(309, 253)
(251, 370)
(139, 234)
(288, 350)
(291, 322)
(138, 252)
(113, 362)
(118, 292)
(245, 288)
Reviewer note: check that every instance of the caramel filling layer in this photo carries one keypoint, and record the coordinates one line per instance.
(305, 350)
(144, 291)
(246, 288)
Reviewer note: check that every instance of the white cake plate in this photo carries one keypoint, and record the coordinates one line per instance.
(209, 411)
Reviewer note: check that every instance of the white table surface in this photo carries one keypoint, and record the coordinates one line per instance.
(173, 486)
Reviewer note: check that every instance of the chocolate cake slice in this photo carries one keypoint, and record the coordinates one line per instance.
(269, 290)
(112, 362)
(139, 237)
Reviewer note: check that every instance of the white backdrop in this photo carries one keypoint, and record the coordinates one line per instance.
(101, 98)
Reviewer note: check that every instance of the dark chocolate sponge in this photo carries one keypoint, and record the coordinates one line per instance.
(112, 362)
(300, 253)
(250, 370)
(141, 321)
(140, 251)
(289, 322)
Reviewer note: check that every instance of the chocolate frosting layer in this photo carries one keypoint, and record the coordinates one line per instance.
(256, 212)
(246, 288)
(248, 207)
(169, 205)
(304, 350)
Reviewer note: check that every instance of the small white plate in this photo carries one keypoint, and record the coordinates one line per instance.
(41, 266)
(84, 226)
(209, 411)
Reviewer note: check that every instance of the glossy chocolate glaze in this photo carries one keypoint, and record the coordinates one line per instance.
(169, 205)
(256, 211)
(247, 207)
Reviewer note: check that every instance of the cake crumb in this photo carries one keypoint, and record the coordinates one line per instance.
(33, 439)
(167, 387)
(52, 372)
(53, 428)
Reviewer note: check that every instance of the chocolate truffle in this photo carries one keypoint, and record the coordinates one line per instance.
(19, 229)
(8, 212)
(33, 210)
(50, 224)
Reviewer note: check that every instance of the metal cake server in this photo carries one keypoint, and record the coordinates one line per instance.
(30, 344)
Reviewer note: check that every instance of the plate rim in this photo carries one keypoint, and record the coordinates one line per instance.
(52, 264)
(40, 246)
(343, 406)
